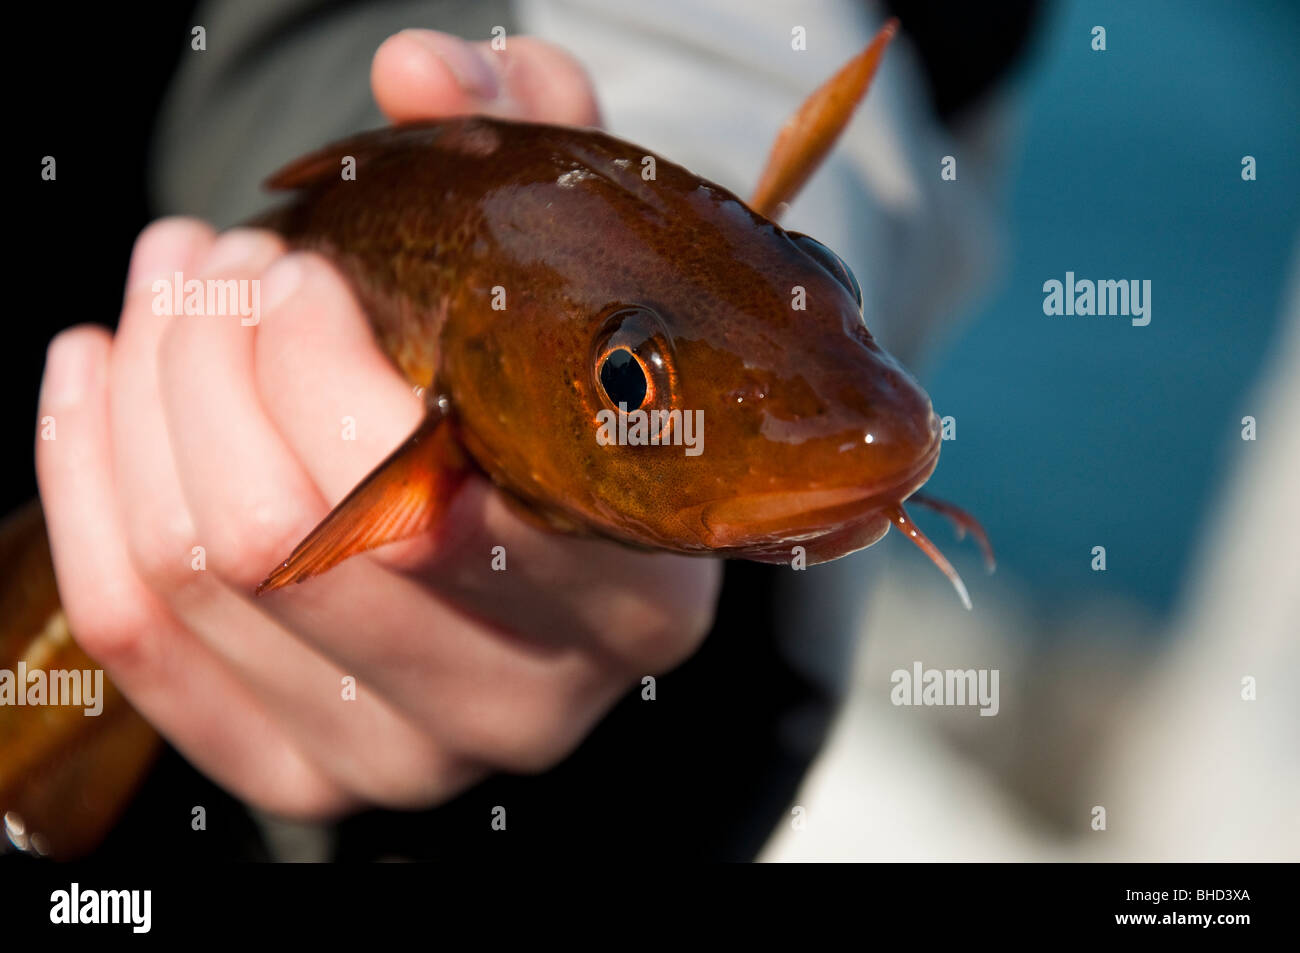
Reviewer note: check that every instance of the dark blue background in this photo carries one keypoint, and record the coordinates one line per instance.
(1083, 431)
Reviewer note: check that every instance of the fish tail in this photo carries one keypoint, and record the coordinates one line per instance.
(64, 777)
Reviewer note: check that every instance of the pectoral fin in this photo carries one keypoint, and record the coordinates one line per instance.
(809, 134)
(402, 497)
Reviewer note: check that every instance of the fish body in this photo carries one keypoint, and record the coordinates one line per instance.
(500, 263)
(543, 286)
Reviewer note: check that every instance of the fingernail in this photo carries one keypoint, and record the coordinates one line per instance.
(232, 248)
(280, 281)
(158, 252)
(71, 363)
(466, 62)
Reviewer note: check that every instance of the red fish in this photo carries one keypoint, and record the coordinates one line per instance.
(547, 295)
(644, 358)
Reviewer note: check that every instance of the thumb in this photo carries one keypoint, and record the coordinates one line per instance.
(423, 74)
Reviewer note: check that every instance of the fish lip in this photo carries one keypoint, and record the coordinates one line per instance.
(729, 524)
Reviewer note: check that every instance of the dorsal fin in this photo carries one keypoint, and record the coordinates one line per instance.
(306, 170)
(325, 163)
(808, 135)
(476, 136)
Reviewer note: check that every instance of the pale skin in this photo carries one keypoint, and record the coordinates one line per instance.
(184, 432)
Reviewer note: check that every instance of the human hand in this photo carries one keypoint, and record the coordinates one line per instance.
(179, 432)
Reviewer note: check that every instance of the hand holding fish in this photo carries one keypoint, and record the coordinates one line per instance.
(524, 566)
(194, 452)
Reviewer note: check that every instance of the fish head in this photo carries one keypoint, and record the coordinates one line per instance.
(685, 374)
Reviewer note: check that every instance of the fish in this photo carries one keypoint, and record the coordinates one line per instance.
(544, 293)
(64, 777)
(575, 311)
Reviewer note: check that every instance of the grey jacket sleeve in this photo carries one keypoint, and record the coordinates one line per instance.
(277, 79)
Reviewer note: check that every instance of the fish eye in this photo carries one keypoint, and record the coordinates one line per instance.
(633, 361)
(624, 378)
(831, 262)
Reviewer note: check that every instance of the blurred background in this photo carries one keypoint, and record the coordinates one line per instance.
(1120, 688)
(1127, 164)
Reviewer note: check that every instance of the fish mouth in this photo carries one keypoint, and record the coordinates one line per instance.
(829, 523)
(757, 524)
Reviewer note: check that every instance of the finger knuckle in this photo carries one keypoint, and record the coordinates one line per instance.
(520, 734)
(422, 774)
(109, 622)
(255, 540)
(299, 794)
(164, 553)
